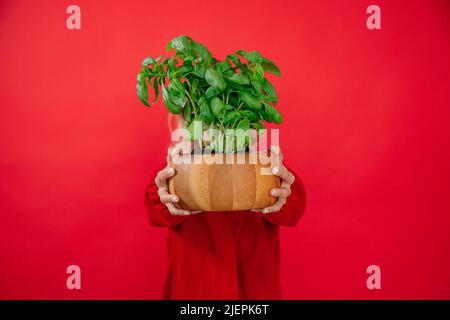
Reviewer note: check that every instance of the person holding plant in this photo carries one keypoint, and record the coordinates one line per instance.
(224, 254)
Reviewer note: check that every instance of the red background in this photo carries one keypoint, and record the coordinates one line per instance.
(365, 126)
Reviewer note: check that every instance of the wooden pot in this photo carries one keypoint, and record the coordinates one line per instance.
(203, 184)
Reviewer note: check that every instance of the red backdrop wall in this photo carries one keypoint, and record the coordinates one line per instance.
(365, 125)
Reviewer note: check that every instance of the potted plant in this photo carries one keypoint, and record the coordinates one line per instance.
(222, 101)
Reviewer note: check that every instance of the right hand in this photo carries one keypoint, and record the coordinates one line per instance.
(161, 181)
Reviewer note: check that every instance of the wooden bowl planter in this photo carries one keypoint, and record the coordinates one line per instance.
(206, 186)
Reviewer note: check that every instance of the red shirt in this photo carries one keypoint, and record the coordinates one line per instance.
(224, 255)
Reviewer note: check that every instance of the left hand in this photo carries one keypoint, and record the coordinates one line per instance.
(287, 179)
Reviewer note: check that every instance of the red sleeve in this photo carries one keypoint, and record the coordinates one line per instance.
(157, 211)
(294, 207)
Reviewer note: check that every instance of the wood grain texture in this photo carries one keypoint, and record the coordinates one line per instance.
(208, 186)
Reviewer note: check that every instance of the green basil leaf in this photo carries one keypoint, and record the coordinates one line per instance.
(258, 73)
(250, 115)
(231, 117)
(176, 85)
(176, 89)
(156, 89)
(187, 62)
(148, 61)
(181, 44)
(187, 113)
(229, 73)
(217, 106)
(257, 126)
(270, 67)
(235, 59)
(252, 56)
(239, 78)
(257, 86)
(215, 79)
(271, 94)
(194, 85)
(244, 124)
(272, 114)
(200, 51)
(180, 72)
(142, 88)
(256, 57)
(262, 114)
(199, 71)
(211, 92)
(206, 113)
(233, 99)
(223, 66)
(247, 72)
(172, 107)
(250, 100)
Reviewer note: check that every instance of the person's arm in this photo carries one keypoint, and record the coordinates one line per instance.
(293, 208)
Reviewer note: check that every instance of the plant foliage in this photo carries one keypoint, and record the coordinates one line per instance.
(229, 94)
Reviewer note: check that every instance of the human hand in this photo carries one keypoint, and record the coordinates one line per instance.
(287, 179)
(161, 181)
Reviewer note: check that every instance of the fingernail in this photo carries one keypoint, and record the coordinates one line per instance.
(171, 171)
(275, 170)
(265, 211)
(186, 213)
(175, 199)
(273, 192)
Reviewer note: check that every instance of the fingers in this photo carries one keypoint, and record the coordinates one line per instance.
(274, 208)
(179, 212)
(165, 197)
(169, 200)
(162, 176)
(284, 174)
(183, 147)
(276, 156)
(278, 169)
(281, 192)
(175, 211)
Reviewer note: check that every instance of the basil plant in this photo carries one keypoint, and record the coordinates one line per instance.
(226, 98)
